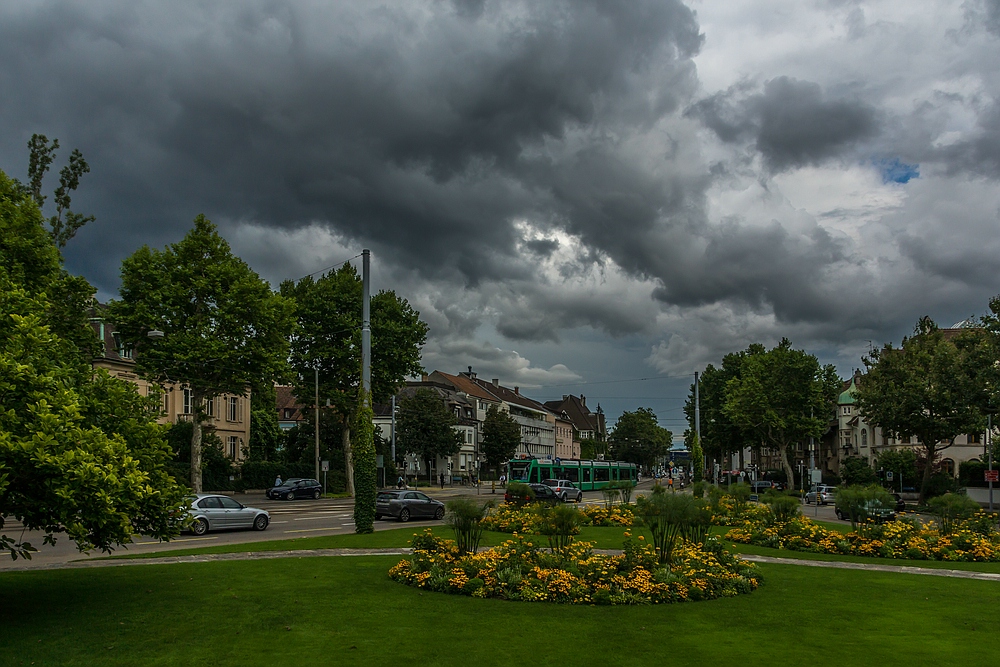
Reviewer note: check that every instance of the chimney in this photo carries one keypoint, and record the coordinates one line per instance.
(517, 390)
(423, 378)
(565, 397)
(583, 400)
(496, 382)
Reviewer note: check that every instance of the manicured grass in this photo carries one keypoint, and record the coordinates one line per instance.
(345, 611)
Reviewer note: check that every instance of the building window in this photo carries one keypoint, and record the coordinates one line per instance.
(233, 443)
(864, 437)
(234, 409)
(166, 403)
(124, 351)
(186, 402)
(847, 409)
(972, 439)
(905, 440)
(288, 413)
(210, 407)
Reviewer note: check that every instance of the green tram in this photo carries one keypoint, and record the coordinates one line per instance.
(587, 475)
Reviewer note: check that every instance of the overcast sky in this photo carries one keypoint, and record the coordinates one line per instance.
(571, 193)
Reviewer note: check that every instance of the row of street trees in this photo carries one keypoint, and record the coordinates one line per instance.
(933, 387)
(758, 398)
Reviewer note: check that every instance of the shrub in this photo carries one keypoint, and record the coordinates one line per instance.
(611, 494)
(741, 495)
(667, 515)
(520, 493)
(559, 523)
(698, 489)
(465, 516)
(625, 489)
(782, 508)
(951, 508)
(858, 502)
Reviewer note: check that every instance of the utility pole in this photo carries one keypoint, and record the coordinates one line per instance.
(989, 445)
(366, 325)
(697, 426)
(316, 371)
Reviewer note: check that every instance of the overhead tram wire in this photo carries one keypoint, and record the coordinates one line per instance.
(332, 266)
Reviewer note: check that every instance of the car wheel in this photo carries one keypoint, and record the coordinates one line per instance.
(289, 496)
(404, 515)
(316, 494)
(840, 515)
(439, 513)
(579, 497)
(260, 523)
(199, 527)
(378, 517)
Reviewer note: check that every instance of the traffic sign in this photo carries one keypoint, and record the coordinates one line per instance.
(888, 475)
(992, 475)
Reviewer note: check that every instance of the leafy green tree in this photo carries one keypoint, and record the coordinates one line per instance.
(929, 387)
(80, 452)
(425, 427)
(65, 223)
(591, 448)
(855, 471)
(697, 456)
(328, 338)
(266, 436)
(782, 397)
(501, 436)
(720, 435)
(224, 329)
(639, 438)
(902, 462)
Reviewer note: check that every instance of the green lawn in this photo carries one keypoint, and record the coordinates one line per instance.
(345, 611)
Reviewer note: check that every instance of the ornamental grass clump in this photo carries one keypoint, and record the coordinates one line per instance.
(559, 523)
(952, 508)
(611, 495)
(520, 569)
(781, 508)
(668, 516)
(465, 516)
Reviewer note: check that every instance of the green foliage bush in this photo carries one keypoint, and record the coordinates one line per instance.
(559, 524)
(465, 516)
(698, 489)
(951, 508)
(520, 493)
(365, 471)
(782, 508)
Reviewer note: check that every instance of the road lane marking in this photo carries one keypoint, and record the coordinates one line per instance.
(310, 530)
(183, 539)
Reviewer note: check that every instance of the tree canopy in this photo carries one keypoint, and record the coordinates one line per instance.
(501, 436)
(638, 438)
(328, 338)
(80, 452)
(425, 427)
(224, 330)
(929, 387)
(782, 397)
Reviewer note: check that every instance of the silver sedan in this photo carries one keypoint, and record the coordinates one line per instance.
(214, 512)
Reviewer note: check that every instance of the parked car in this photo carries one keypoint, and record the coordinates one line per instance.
(215, 512)
(870, 511)
(294, 488)
(405, 505)
(565, 489)
(545, 494)
(760, 485)
(822, 494)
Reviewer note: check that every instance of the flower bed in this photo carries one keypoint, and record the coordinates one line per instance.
(520, 569)
(527, 519)
(973, 539)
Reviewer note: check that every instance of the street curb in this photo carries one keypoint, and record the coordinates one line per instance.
(873, 567)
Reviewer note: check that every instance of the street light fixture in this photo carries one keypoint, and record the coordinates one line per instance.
(154, 333)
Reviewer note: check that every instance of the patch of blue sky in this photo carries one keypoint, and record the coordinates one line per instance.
(894, 170)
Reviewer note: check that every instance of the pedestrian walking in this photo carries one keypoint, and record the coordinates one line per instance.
(670, 483)
(442, 480)
(277, 480)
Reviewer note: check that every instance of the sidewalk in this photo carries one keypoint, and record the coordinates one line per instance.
(316, 553)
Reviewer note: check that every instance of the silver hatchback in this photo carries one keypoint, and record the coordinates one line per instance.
(215, 512)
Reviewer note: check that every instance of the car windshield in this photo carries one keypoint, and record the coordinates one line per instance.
(550, 482)
(386, 496)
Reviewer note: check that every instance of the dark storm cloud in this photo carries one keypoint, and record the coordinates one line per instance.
(791, 122)
(979, 155)
(423, 128)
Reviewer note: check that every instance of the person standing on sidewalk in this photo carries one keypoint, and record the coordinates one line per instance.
(442, 480)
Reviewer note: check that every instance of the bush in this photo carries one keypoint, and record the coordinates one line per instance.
(611, 494)
(952, 508)
(559, 523)
(465, 516)
(858, 501)
(698, 489)
(668, 516)
(520, 493)
(782, 508)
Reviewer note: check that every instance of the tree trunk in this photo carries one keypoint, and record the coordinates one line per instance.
(931, 450)
(196, 444)
(789, 474)
(348, 459)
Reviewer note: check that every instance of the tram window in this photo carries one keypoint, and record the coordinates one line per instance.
(557, 473)
(602, 474)
(615, 476)
(572, 474)
(586, 475)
